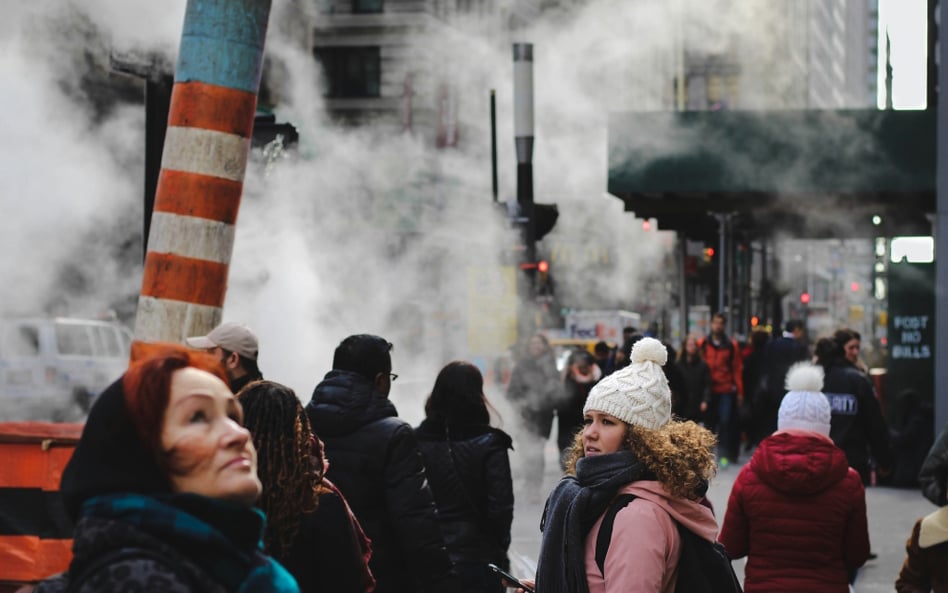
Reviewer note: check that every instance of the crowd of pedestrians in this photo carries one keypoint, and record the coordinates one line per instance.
(195, 474)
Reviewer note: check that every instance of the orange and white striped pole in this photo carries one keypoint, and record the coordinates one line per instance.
(210, 122)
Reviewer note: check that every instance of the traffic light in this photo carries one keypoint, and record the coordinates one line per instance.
(544, 219)
(804, 298)
(708, 254)
(544, 282)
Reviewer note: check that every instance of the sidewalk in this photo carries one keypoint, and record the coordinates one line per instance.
(892, 512)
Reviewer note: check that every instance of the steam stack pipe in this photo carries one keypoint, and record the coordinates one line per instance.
(523, 139)
(210, 122)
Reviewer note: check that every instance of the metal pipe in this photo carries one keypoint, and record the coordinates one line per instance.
(493, 143)
(523, 140)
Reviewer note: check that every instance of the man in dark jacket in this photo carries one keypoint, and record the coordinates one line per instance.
(779, 356)
(375, 462)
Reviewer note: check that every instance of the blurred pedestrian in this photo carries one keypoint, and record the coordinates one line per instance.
(697, 380)
(581, 374)
(723, 358)
(468, 467)
(310, 528)
(780, 354)
(926, 563)
(925, 568)
(851, 342)
(162, 487)
(236, 346)
(605, 357)
(911, 443)
(934, 473)
(797, 510)
(858, 427)
(676, 381)
(629, 445)
(376, 464)
(535, 390)
(754, 412)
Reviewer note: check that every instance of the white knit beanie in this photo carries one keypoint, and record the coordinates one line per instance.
(805, 407)
(637, 394)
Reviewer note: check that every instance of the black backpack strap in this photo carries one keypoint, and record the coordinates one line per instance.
(605, 529)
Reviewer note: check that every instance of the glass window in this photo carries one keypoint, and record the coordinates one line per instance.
(73, 340)
(351, 71)
(22, 341)
(363, 6)
(109, 340)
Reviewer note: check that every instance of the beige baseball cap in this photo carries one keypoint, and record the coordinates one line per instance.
(231, 336)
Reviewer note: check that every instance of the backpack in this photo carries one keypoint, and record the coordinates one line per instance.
(704, 567)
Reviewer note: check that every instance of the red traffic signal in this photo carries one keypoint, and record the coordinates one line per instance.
(805, 298)
(541, 266)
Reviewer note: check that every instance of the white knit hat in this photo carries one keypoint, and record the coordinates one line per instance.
(637, 394)
(805, 407)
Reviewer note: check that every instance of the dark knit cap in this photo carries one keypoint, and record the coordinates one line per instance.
(110, 457)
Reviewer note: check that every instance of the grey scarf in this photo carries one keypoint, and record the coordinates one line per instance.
(572, 509)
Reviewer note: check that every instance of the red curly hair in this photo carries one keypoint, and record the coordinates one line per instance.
(147, 388)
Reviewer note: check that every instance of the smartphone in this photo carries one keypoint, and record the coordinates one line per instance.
(511, 580)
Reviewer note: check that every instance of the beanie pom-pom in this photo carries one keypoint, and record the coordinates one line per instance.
(804, 376)
(649, 349)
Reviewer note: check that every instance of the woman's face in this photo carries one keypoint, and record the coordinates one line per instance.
(691, 346)
(209, 452)
(536, 347)
(602, 433)
(852, 350)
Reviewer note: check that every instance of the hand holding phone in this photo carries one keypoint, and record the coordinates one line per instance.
(509, 580)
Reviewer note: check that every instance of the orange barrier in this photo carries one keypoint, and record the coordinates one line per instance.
(34, 530)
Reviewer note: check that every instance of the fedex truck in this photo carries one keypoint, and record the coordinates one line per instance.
(605, 325)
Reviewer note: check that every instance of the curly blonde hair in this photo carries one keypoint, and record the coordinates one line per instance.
(679, 454)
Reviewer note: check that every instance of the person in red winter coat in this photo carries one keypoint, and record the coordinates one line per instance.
(797, 510)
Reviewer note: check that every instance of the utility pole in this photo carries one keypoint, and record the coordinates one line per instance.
(210, 123)
(523, 140)
(941, 224)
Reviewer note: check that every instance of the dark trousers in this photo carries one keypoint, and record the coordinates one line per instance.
(721, 418)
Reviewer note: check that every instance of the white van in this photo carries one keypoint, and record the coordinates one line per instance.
(52, 369)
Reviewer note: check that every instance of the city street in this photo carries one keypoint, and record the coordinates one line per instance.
(892, 513)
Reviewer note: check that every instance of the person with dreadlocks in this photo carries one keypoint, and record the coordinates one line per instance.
(310, 528)
(468, 468)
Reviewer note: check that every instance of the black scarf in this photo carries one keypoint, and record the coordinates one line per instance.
(572, 509)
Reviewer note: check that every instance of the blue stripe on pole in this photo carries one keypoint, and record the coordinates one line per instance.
(222, 43)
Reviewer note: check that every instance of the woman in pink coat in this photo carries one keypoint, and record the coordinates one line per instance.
(628, 444)
(797, 510)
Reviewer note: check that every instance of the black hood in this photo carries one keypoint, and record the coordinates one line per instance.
(110, 457)
(344, 401)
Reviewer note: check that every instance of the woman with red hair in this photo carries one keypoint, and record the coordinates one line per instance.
(162, 487)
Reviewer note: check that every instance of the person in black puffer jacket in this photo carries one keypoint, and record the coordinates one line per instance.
(469, 470)
(374, 461)
(858, 427)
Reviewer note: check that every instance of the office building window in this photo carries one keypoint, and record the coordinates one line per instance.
(351, 71)
(367, 5)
